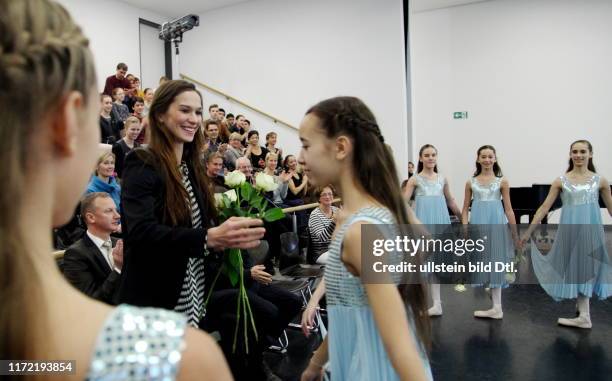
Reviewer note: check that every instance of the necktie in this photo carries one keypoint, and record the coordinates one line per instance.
(108, 252)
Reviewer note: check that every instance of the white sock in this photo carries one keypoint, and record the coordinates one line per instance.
(496, 296)
(583, 307)
(435, 293)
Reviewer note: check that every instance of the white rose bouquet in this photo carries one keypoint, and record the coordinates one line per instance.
(243, 200)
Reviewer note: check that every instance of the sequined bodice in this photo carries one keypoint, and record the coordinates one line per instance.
(139, 344)
(426, 187)
(578, 194)
(342, 287)
(489, 192)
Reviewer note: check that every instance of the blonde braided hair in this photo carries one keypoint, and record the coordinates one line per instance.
(43, 56)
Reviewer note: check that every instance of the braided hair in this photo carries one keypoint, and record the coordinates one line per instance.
(376, 172)
(43, 56)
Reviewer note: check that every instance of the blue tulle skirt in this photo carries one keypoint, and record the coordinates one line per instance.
(499, 247)
(578, 262)
(356, 350)
(432, 210)
(433, 213)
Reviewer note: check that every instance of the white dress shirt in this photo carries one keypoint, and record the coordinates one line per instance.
(108, 256)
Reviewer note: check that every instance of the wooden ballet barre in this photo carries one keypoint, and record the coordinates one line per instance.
(231, 98)
(307, 206)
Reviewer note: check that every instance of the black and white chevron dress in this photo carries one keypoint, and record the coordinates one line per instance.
(191, 299)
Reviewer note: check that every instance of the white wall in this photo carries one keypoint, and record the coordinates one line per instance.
(284, 56)
(112, 28)
(534, 76)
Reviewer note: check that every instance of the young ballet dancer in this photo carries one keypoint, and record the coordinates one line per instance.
(432, 197)
(50, 108)
(489, 193)
(373, 334)
(577, 266)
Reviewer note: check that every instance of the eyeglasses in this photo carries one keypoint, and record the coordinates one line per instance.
(327, 194)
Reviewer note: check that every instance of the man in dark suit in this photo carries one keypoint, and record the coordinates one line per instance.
(91, 264)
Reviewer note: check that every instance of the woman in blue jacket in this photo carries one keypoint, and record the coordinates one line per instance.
(104, 180)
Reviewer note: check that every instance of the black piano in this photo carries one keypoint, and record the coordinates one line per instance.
(527, 200)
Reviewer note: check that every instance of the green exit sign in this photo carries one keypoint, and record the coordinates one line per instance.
(460, 115)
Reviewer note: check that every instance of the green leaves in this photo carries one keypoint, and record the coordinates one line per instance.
(246, 201)
(273, 214)
(247, 192)
(242, 201)
(233, 265)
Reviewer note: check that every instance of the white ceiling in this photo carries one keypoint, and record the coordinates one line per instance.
(428, 5)
(178, 8)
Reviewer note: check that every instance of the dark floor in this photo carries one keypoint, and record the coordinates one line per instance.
(526, 345)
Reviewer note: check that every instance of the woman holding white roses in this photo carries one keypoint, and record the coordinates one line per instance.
(169, 214)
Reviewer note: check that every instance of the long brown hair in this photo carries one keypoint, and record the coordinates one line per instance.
(43, 56)
(590, 165)
(177, 209)
(496, 167)
(376, 172)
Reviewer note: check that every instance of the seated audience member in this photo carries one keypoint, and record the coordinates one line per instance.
(214, 169)
(139, 92)
(221, 114)
(118, 80)
(138, 109)
(103, 179)
(233, 152)
(128, 143)
(224, 133)
(230, 121)
(244, 165)
(91, 264)
(271, 145)
(255, 152)
(241, 127)
(279, 194)
(213, 141)
(298, 183)
(139, 105)
(212, 111)
(108, 135)
(298, 189)
(120, 110)
(148, 98)
(130, 95)
(247, 128)
(322, 222)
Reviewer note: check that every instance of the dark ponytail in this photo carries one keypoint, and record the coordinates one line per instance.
(376, 173)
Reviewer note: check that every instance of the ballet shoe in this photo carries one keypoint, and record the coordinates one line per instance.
(435, 310)
(493, 313)
(579, 322)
